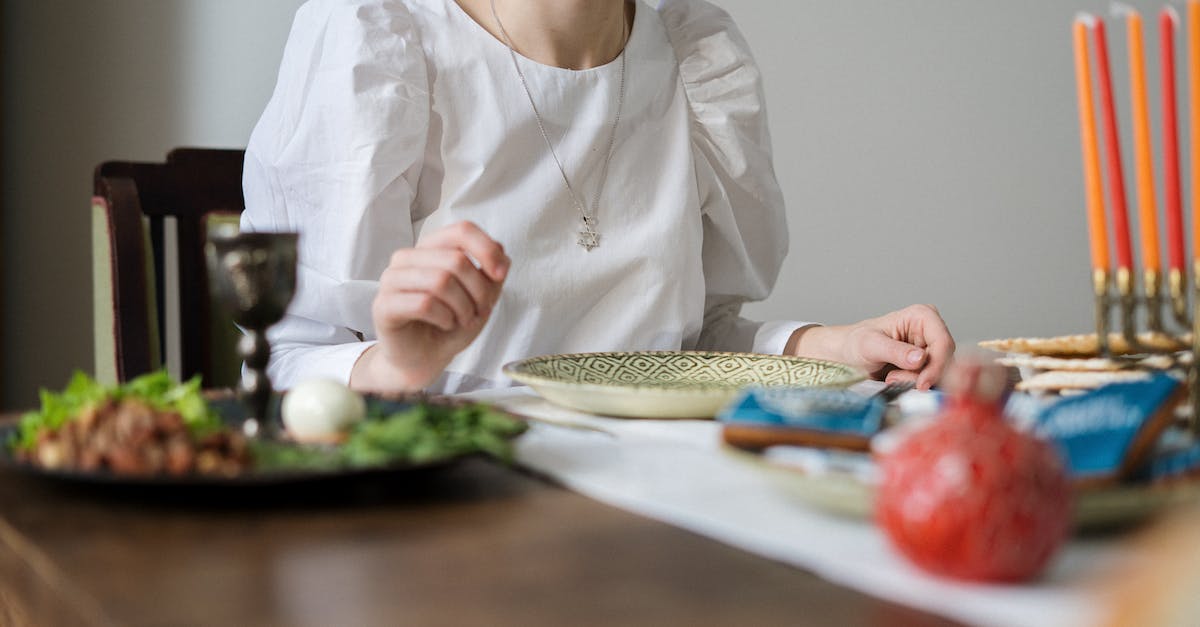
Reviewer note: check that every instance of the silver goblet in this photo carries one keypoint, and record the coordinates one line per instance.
(254, 275)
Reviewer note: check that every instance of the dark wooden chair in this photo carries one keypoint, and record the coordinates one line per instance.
(149, 222)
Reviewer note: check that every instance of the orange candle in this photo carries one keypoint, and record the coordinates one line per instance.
(1193, 43)
(1097, 232)
(1147, 206)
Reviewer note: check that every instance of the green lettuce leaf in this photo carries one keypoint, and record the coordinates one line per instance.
(418, 434)
(156, 389)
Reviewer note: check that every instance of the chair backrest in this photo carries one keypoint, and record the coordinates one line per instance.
(149, 224)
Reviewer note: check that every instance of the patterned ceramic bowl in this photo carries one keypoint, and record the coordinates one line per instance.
(668, 384)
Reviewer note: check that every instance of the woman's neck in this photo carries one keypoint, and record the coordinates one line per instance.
(572, 34)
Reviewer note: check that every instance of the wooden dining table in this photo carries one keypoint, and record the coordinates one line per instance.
(476, 542)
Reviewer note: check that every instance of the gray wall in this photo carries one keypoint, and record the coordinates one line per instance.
(928, 152)
(106, 79)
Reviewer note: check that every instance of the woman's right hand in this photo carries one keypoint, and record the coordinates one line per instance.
(432, 302)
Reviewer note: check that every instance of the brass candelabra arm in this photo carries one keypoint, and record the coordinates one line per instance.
(1129, 303)
(1194, 368)
(1177, 288)
(1100, 287)
(1152, 287)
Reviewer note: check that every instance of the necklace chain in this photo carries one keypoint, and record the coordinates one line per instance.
(589, 237)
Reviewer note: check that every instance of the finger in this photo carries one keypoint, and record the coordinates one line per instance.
(483, 291)
(441, 283)
(900, 376)
(879, 348)
(939, 358)
(940, 348)
(471, 239)
(393, 310)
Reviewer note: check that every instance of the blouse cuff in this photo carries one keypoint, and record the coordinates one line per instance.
(289, 367)
(772, 337)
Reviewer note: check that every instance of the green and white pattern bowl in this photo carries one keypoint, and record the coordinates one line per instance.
(668, 384)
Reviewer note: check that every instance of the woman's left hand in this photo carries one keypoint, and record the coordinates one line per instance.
(912, 344)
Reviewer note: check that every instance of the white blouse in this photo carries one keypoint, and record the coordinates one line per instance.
(392, 117)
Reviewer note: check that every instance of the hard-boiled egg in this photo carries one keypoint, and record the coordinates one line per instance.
(321, 410)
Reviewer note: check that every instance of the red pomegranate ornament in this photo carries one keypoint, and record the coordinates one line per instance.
(969, 496)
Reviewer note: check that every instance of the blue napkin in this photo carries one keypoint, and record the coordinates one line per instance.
(1094, 431)
(834, 411)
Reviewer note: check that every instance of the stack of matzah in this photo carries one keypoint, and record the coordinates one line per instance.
(1071, 363)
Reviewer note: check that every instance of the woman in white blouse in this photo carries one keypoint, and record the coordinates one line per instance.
(476, 183)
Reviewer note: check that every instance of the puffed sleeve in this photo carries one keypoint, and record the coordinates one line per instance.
(336, 157)
(745, 229)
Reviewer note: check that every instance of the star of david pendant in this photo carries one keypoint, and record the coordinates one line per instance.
(589, 237)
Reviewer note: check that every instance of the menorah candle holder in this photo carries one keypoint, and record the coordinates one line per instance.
(1119, 293)
(1093, 81)
(254, 275)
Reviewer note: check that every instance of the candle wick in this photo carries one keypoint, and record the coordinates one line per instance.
(1085, 18)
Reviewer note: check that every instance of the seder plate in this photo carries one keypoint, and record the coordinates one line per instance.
(233, 413)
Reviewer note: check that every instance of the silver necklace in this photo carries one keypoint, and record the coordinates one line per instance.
(589, 236)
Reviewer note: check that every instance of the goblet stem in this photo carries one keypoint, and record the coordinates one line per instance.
(254, 389)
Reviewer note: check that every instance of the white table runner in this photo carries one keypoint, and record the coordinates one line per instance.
(677, 472)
